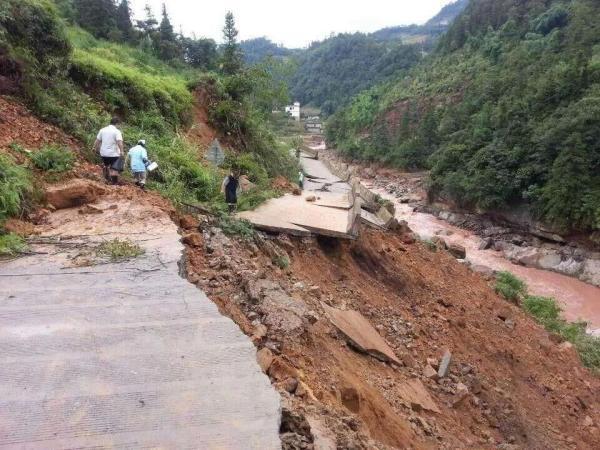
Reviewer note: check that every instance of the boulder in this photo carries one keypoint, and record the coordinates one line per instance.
(73, 193)
(457, 250)
(189, 222)
(486, 244)
(264, 357)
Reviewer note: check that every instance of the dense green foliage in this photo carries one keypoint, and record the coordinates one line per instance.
(53, 158)
(331, 72)
(94, 79)
(15, 188)
(424, 34)
(11, 244)
(328, 73)
(510, 287)
(257, 49)
(505, 113)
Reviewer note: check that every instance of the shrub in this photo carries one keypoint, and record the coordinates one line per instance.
(281, 261)
(15, 188)
(53, 158)
(234, 227)
(119, 250)
(11, 244)
(510, 287)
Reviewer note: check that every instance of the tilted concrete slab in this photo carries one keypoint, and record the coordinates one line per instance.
(126, 355)
(361, 333)
(293, 214)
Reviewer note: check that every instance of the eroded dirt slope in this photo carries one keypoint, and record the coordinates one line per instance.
(509, 382)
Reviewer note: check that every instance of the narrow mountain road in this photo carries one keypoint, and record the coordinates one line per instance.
(122, 355)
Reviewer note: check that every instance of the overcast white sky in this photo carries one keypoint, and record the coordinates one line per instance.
(292, 23)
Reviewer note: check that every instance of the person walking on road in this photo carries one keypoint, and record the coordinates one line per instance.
(138, 159)
(230, 186)
(109, 143)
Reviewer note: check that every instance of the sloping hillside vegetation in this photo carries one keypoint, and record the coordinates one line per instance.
(506, 112)
(330, 72)
(76, 81)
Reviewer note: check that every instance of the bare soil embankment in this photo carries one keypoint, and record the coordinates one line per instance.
(509, 382)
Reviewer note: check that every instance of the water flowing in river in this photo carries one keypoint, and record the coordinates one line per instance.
(579, 300)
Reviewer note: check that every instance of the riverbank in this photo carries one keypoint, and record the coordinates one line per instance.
(546, 266)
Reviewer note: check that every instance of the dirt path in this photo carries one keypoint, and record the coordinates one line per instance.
(122, 354)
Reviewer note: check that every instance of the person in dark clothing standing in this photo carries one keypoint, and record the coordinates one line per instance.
(230, 187)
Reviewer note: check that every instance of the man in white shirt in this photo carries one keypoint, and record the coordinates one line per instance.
(109, 143)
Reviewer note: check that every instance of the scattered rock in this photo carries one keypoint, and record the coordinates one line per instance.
(462, 392)
(457, 250)
(280, 370)
(289, 385)
(415, 393)
(430, 372)
(193, 239)
(486, 244)
(588, 422)
(188, 222)
(311, 198)
(90, 209)
(265, 358)
(444, 364)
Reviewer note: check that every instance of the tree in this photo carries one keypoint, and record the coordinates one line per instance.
(99, 17)
(148, 26)
(167, 46)
(231, 61)
(123, 20)
(200, 53)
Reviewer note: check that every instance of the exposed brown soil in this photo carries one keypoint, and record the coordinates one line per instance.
(200, 133)
(524, 389)
(18, 125)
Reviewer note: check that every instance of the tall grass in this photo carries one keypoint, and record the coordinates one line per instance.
(16, 188)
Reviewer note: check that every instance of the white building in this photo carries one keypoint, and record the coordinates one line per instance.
(293, 110)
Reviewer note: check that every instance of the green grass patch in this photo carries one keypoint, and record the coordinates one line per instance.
(545, 310)
(119, 250)
(510, 287)
(12, 244)
(53, 158)
(235, 227)
(281, 261)
(16, 187)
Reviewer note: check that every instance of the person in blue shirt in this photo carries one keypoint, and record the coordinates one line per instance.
(138, 158)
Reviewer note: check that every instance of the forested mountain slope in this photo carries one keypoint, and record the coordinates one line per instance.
(506, 112)
(329, 72)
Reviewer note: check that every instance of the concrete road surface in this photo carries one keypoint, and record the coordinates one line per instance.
(123, 355)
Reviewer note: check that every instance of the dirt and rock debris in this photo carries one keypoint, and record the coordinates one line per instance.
(473, 371)
(470, 370)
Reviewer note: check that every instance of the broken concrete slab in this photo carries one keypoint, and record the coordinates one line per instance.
(361, 333)
(294, 215)
(417, 396)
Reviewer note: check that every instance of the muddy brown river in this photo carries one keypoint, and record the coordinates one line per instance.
(579, 300)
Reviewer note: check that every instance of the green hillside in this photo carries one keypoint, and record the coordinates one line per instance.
(330, 72)
(506, 112)
(77, 81)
